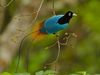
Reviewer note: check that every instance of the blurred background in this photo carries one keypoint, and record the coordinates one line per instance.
(81, 53)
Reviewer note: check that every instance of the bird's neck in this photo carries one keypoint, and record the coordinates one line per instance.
(64, 20)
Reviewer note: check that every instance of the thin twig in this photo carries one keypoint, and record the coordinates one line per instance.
(67, 39)
(58, 54)
(53, 6)
(57, 57)
(51, 46)
(37, 13)
(7, 4)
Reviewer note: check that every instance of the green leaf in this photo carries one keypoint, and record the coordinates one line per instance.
(47, 72)
(22, 74)
(6, 73)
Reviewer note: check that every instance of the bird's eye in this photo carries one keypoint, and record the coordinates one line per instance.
(69, 14)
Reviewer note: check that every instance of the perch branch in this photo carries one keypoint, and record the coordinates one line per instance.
(66, 37)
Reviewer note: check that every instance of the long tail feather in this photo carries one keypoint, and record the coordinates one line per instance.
(19, 51)
(36, 36)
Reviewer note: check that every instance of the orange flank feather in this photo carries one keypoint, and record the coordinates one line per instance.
(37, 35)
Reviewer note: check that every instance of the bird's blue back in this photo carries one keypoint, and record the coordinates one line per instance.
(51, 25)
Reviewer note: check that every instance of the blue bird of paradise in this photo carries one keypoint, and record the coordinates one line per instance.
(53, 24)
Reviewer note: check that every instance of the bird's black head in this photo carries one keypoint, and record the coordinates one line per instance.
(69, 14)
(66, 18)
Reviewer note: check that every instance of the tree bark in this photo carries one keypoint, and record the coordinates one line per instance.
(14, 33)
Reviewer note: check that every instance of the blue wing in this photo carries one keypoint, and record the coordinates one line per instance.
(51, 25)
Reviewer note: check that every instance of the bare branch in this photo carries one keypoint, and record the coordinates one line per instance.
(6, 5)
(67, 37)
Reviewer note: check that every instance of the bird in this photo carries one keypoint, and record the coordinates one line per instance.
(52, 25)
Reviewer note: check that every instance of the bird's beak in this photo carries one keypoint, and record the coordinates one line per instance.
(74, 14)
